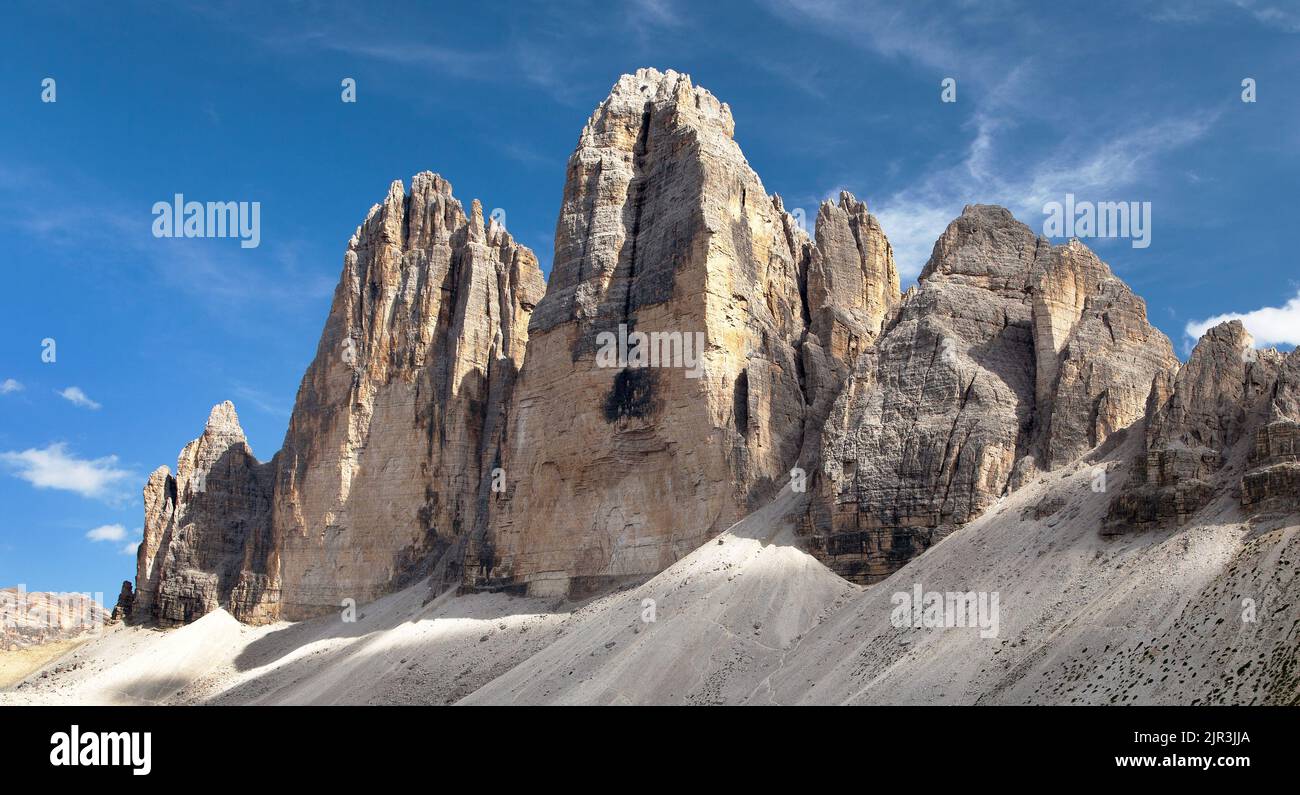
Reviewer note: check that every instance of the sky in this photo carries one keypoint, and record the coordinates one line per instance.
(1136, 101)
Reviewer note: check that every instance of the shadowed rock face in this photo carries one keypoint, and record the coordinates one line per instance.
(615, 473)
(206, 530)
(1011, 355)
(394, 430)
(1231, 408)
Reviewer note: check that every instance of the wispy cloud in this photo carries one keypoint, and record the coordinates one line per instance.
(10, 386)
(107, 532)
(996, 88)
(53, 467)
(77, 397)
(1270, 325)
(261, 400)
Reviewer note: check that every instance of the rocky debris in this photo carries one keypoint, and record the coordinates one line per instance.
(392, 439)
(206, 530)
(1011, 356)
(33, 618)
(1231, 408)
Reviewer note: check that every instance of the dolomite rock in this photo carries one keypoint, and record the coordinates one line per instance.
(394, 429)
(206, 530)
(852, 280)
(1096, 354)
(616, 472)
(392, 439)
(1012, 355)
(1228, 397)
(1273, 482)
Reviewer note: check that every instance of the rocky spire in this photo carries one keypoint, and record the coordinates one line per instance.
(206, 530)
(396, 423)
(616, 472)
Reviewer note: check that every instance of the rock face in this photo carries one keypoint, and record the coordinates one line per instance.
(1227, 397)
(32, 618)
(1273, 480)
(616, 470)
(207, 530)
(1011, 355)
(694, 350)
(395, 426)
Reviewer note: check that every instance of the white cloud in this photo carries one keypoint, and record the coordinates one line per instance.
(10, 386)
(55, 468)
(107, 532)
(76, 397)
(129, 549)
(1270, 325)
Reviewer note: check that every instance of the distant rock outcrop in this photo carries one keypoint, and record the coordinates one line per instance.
(37, 617)
(1230, 409)
(206, 530)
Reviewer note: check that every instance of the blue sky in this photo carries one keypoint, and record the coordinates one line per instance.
(1113, 101)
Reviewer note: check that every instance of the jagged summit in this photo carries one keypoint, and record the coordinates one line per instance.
(461, 421)
(393, 429)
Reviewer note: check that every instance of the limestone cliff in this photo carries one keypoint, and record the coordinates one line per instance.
(615, 472)
(207, 530)
(394, 430)
(1011, 355)
(1230, 420)
(694, 346)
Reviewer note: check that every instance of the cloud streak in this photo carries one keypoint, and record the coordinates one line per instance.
(77, 397)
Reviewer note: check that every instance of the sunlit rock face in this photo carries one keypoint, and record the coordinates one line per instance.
(394, 431)
(394, 426)
(1011, 355)
(617, 472)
